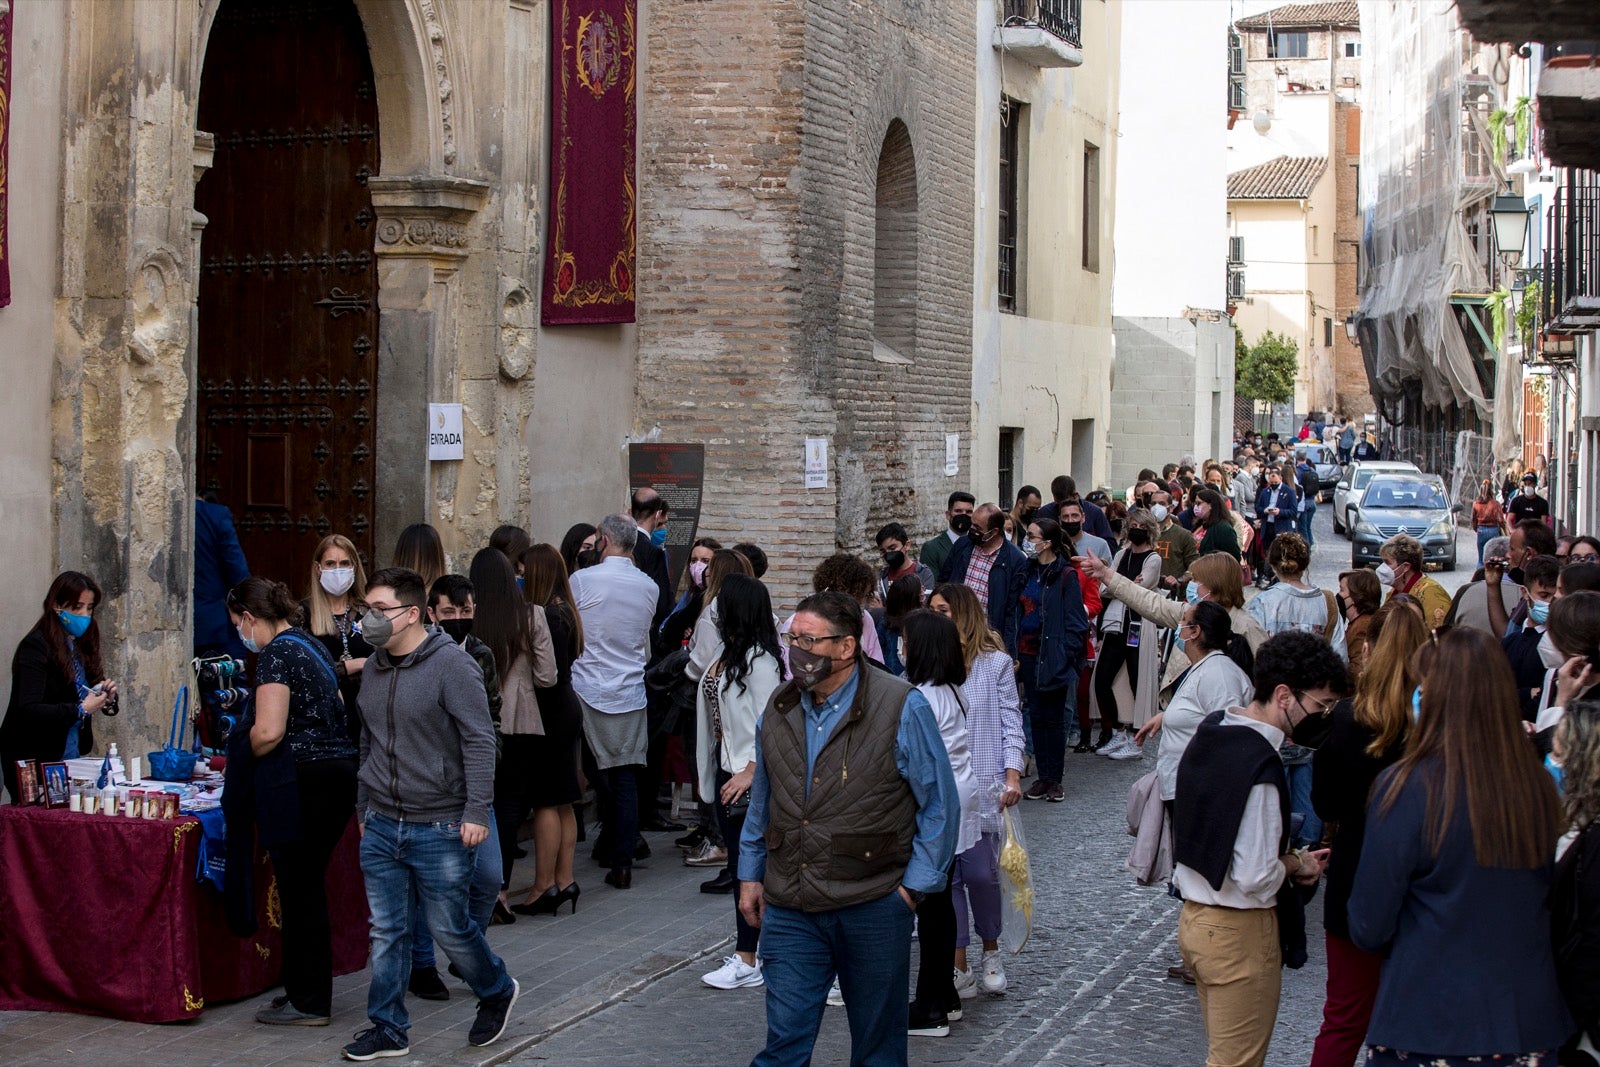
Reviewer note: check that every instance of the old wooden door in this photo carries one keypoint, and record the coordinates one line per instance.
(288, 282)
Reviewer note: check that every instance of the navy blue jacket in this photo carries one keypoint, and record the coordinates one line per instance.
(218, 566)
(1469, 968)
(1063, 623)
(1288, 507)
(1006, 579)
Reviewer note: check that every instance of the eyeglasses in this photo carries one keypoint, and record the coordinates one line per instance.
(1321, 707)
(807, 642)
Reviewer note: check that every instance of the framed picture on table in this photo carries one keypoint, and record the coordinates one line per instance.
(28, 786)
(57, 786)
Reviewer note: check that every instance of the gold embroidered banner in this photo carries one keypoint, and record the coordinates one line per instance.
(589, 259)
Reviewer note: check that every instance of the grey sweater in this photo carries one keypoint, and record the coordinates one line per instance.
(427, 743)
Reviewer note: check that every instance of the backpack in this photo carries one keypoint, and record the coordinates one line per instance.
(1310, 485)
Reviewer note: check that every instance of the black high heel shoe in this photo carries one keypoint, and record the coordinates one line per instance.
(501, 916)
(546, 903)
(569, 893)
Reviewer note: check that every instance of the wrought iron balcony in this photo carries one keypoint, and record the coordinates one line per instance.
(1043, 33)
(1571, 273)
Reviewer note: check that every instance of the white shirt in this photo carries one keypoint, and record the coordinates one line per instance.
(949, 711)
(1255, 874)
(617, 603)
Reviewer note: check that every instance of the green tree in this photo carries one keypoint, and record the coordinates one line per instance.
(1267, 369)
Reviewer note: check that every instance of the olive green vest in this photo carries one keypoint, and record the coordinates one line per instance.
(849, 840)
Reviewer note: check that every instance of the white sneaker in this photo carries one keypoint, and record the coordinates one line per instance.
(994, 974)
(966, 984)
(835, 995)
(1130, 749)
(1115, 745)
(735, 974)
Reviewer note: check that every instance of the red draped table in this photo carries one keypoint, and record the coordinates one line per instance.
(102, 915)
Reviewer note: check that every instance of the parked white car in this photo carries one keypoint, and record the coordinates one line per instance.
(1356, 476)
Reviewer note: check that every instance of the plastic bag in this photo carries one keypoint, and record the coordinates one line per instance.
(1016, 882)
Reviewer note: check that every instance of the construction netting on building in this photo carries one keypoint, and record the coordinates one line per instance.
(1424, 161)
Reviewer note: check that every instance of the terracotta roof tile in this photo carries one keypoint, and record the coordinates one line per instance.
(1284, 178)
(1304, 16)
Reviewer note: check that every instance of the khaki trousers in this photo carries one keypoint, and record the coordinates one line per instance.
(1237, 966)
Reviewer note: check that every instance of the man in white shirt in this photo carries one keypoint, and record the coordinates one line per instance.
(1231, 844)
(617, 603)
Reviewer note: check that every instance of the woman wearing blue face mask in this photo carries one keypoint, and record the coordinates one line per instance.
(57, 680)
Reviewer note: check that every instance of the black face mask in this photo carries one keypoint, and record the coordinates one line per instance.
(1343, 606)
(1312, 730)
(1072, 529)
(1116, 526)
(977, 536)
(1028, 514)
(1138, 536)
(1144, 501)
(587, 557)
(458, 629)
(961, 523)
(894, 560)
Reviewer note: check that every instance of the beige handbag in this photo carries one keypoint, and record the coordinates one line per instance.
(519, 702)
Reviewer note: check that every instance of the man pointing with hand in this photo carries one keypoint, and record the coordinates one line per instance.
(422, 796)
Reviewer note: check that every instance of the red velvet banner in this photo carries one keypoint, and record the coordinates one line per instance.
(591, 239)
(5, 129)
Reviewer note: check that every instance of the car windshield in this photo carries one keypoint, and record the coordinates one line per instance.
(1404, 493)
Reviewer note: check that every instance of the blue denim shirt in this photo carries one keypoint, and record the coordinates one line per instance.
(923, 762)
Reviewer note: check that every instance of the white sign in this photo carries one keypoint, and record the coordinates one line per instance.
(952, 453)
(816, 463)
(444, 432)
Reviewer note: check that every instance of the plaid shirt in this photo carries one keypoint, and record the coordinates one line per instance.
(994, 727)
(978, 568)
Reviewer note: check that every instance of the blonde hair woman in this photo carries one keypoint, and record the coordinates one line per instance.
(333, 603)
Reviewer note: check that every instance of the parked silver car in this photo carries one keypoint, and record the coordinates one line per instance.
(1350, 487)
(1326, 459)
(1415, 504)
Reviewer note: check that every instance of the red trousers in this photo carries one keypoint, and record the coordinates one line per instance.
(1347, 1011)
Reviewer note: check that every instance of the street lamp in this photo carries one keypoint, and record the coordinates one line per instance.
(1350, 330)
(1510, 214)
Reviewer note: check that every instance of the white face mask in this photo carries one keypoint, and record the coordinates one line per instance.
(1549, 655)
(1159, 511)
(337, 582)
(1386, 574)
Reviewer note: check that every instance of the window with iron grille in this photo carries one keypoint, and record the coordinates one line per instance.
(1012, 115)
(1235, 54)
(1006, 465)
(1289, 45)
(1236, 250)
(1091, 207)
(1235, 284)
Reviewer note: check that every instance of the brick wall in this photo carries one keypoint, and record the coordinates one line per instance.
(758, 182)
(1349, 372)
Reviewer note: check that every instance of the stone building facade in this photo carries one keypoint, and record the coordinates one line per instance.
(805, 191)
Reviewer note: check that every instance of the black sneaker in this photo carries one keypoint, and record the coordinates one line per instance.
(1037, 791)
(924, 1023)
(374, 1043)
(426, 983)
(287, 1014)
(953, 1011)
(492, 1018)
(692, 839)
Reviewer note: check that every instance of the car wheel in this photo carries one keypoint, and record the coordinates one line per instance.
(1450, 564)
(1338, 527)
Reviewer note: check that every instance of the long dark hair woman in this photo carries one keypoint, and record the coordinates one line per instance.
(577, 547)
(1052, 637)
(297, 706)
(419, 549)
(733, 694)
(511, 542)
(550, 761)
(1455, 876)
(1366, 735)
(58, 680)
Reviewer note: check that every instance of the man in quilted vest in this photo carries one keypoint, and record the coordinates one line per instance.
(852, 821)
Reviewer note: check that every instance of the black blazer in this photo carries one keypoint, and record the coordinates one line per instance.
(43, 707)
(653, 561)
(1341, 783)
(1575, 918)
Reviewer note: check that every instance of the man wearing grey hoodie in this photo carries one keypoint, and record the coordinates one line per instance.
(422, 797)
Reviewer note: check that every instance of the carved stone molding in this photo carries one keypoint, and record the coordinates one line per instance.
(441, 76)
(424, 216)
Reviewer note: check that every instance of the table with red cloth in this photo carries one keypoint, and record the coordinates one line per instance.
(102, 915)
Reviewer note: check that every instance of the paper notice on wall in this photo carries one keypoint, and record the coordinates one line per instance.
(952, 453)
(816, 463)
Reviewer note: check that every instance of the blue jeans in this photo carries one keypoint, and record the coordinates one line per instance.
(869, 947)
(1485, 535)
(1308, 509)
(409, 865)
(481, 895)
(1300, 804)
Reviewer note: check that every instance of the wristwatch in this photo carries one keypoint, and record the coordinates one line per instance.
(917, 897)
